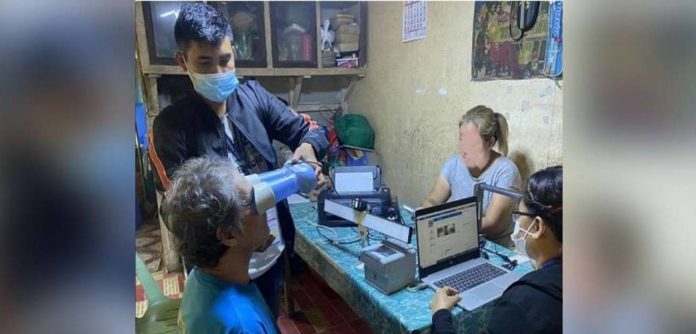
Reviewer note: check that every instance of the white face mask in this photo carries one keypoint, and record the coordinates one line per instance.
(521, 243)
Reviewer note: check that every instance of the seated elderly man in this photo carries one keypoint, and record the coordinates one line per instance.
(209, 208)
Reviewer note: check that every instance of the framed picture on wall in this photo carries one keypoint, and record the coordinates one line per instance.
(496, 54)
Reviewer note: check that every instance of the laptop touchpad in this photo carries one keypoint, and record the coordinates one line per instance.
(487, 291)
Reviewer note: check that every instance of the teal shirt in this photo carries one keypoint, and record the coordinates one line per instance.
(211, 305)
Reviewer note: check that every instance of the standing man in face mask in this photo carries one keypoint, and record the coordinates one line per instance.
(233, 121)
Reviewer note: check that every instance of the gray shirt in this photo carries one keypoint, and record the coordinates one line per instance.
(503, 173)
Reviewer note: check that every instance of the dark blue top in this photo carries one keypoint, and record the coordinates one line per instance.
(533, 304)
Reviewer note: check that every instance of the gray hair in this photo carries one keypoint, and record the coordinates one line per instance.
(206, 194)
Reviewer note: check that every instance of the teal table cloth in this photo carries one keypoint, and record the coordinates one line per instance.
(401, 312)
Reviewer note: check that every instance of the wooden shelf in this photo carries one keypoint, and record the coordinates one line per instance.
(152, 69)
(267, 72)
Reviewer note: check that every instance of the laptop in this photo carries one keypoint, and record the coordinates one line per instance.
(449, 254)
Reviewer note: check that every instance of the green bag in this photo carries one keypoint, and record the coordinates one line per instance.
(354, 130)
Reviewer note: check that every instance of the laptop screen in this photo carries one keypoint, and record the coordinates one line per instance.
(446, 231)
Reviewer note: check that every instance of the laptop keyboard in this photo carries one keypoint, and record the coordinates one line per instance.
(472, 277)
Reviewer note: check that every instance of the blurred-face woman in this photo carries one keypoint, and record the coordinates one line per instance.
(483, 147)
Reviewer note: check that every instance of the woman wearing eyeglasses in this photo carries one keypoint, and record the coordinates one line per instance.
(533, 304)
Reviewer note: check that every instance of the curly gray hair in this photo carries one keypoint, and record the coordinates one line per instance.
(206, 194)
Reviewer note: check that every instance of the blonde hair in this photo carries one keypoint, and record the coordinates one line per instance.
(490, 125)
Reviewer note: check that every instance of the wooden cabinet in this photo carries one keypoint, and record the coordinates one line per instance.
(275, 38)
(159, 19)
(294, 34)
(347, 20)
(271, 39)
(247, 19)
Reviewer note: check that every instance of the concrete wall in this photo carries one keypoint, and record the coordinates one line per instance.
(415, 93)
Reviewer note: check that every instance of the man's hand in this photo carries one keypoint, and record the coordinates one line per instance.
(444, 299)
(305, 152)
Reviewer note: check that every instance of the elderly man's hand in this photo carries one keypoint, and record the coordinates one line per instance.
(305, 152)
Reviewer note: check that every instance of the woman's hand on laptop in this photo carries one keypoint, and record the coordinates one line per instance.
(444, 299)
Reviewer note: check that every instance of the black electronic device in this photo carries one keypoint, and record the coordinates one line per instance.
(525, 15)
(371, 197)
(378, 203)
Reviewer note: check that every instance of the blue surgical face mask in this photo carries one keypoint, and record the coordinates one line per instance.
(215, 87)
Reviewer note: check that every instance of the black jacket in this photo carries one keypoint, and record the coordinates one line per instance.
(533, 304)
(189, 128)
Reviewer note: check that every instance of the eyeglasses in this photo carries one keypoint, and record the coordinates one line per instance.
(516, 214)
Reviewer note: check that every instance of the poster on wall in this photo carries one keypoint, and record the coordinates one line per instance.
(496, 55)
(415, 23)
